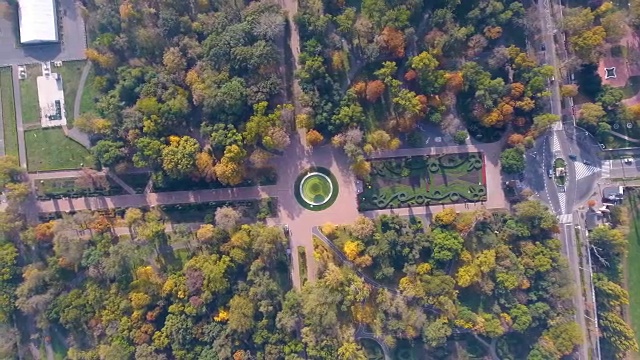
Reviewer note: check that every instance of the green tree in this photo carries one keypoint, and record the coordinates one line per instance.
(512, 161)
(149, 152)
(241, 312)
(446, 244)
(108, 152)
(179, 158)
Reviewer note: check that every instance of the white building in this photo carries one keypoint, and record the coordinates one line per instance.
(38, 21)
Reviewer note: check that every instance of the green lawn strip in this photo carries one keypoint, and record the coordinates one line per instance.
(70, 71)
(29, 95)
(51, 149)
(332, 198)
(8, 112)
(57, 188)
(89, 95)
(632, 86)
(204, 212)
(633, 275)
(302, 264)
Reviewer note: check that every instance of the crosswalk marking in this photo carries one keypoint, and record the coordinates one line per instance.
(606, 168)
(565, 218)
(562, 198)
(556, 144)
(582, 170)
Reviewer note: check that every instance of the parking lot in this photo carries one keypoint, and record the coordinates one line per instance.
(71, 32)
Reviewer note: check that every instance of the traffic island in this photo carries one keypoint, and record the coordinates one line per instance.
(316, 189)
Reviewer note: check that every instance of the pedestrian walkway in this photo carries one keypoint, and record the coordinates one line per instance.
(565, 219)
(582, 170)
(17, 98)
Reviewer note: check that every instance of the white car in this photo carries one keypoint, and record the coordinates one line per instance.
(628, 161)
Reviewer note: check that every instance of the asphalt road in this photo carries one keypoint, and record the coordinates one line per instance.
(619, 169)
(560, 145)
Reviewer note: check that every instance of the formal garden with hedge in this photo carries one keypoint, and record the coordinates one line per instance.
(424, 180)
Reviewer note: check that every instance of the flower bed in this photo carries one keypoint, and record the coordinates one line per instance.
(424, 180)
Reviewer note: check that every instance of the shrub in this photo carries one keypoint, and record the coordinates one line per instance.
(460, 137)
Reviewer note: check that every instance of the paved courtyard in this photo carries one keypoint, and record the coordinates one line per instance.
(72, 35)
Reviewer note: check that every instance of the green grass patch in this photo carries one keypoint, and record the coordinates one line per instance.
(51, 149)
(70, 71)
(633, 258)
(99, 185)
(254, 209)
(29, 95)
(90, 94)
(302, 264)
(632, 86)
(316, 188)
(424, 180)
(8, 112)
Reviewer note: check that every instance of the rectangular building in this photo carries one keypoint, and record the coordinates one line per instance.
(38, 21)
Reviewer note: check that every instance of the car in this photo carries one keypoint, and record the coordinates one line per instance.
(586, 162)
(542, 47)
(285, 228)
(628, 161)
(553, 78)
(550, 173)
(573, 157)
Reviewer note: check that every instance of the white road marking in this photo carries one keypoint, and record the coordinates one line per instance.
(562, 199)
(606, 168)
(582, 170)
(565, 219)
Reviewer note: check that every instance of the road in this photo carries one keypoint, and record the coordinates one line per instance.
(619, 169)
(560, 145)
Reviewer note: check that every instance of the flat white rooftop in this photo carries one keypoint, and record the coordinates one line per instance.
(51, 98)
(38, 21)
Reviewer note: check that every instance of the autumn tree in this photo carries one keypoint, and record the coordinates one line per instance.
(227, 218)
(314, 138)
(374, 91)
(569, 90)
(179, 158)
(392, 42)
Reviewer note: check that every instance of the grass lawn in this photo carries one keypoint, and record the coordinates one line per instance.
(633, 258)
(316, 188)
(70, 72)
(56, 188)
(29, 92)
(302, 264)
(51, 149)
(424, 180)
(631, 87)
(90, 95)
(8, 113)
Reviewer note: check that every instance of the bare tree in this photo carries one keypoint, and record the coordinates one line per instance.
(227, 218)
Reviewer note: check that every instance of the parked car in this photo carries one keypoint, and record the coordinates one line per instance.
(628, 161)
(285, 228)
(550, 173)
(586, 162)
(573, 157)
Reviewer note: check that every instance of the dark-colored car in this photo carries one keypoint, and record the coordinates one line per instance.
(586, 162)
(573, 157)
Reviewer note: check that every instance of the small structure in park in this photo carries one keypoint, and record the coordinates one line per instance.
(610, 73)
(51, 98)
